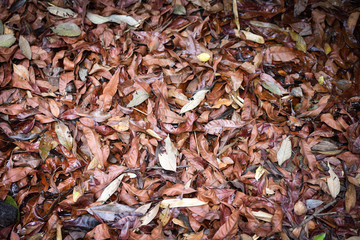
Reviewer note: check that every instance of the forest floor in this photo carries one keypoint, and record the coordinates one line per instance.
(184, 119)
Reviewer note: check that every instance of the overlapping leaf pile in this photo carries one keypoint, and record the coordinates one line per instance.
(180, 119)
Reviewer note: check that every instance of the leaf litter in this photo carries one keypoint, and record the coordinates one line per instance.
(180, 119)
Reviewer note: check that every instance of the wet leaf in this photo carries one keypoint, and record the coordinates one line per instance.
(285, 150)
(64, 135)
(67, 29)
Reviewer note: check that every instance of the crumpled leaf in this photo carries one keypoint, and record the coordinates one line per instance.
(184, 202)
(64, 135)
(67, 29)
(7, 40)
(168, 158)
(195, 101)
(228, 226)
(61, 12)
(98, 19)
(284, 152)
(138, 98)
(333, 182)
(25, 47)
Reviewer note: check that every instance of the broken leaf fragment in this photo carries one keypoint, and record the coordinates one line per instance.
(179, 9)
(259, 172)
(138, 98)
(168, 158)
(67, 29)
(264, 216)
(64, 135)
(185, 202)
(25, 47)
(204, 57)
(7, 40)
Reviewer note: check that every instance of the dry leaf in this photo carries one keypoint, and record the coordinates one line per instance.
(284, 153)
(67, 29)
(185, 202)
(113, 186)
(25, 47)
(150, 215)
(61, 12)
(64, 135)
(138, 98)
(7, 40)
(168, 158)
(267, 217)
(97, 19)
(195, 101)
(204, 57)
(333, 183)
(350, 198)
(253, 37)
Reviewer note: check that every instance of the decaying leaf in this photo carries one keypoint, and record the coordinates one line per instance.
(195, 101)
(333, 182)
(67, 29)
(25, 47)
(61, 12)
(168, 158)
(138, 98)
(64, 135)
(45, 145)
(285, 150)
(184, 202)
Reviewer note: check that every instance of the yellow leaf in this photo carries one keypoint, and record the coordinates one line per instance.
(253, 37)
(204, 57)
(259, 172)
(327, 48)
(321, 80)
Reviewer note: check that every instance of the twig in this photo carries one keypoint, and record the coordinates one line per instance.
(140, 111)
(316, 213)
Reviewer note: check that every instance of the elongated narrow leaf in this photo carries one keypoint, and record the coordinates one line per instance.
(185, 202)
(112, 187)
(168, 158)
(146, 219)
(64, 135)
(109, 212)
(25, 47)
(138, 98)
(61, 12)
(333, 183)
(45, 145)
(284, 152)
(123, 18)
(197, 98)
(97, 19)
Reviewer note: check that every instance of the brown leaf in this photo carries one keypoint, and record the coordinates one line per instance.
(110, 89)
(228, 227)
(350, 198)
